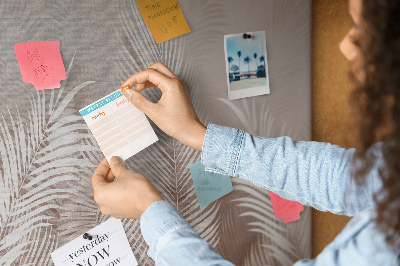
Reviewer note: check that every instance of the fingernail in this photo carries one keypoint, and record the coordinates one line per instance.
(128, 94)
(115, 160)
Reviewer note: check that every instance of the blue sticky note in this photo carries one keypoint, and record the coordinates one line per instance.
(209, 186)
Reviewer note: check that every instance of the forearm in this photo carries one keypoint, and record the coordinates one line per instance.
(312, 173)
(171, 239)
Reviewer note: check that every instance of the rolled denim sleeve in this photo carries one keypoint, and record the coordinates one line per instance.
(172, 240)
(313, 173)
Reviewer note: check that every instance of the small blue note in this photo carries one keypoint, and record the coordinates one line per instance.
(209, 186)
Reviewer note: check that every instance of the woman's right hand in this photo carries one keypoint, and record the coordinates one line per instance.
(174, 112)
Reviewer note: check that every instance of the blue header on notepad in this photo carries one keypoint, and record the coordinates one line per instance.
(100, 103)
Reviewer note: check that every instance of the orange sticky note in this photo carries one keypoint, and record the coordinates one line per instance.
(164, 18)
(284, 209)
(41, 63)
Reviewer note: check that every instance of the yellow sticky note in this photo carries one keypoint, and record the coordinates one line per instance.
(164, 18)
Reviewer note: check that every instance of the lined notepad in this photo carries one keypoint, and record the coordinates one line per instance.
(118, 126)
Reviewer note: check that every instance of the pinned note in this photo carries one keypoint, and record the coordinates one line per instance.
(118, 126)
(41, 63)
(287, 210)
(164, 18)
(108, 246)
(209, 186)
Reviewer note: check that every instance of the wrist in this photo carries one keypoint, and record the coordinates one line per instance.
(149, 197)
(195, 137)
(146, 205)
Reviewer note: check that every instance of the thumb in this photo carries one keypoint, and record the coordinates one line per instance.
(117, 167)
(138, 100)
(100, 174)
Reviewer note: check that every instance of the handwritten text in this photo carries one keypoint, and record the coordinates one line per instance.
(164, 11)
(121, 102)
(100, 114)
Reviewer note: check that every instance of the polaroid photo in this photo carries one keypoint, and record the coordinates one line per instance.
(246, 64)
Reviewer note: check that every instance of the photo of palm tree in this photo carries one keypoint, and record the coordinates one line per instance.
(247, 61)
(239, 54)
(245, 76)
(255, 59)
(262, 60)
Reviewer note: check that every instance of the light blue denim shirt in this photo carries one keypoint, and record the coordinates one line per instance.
(312, 173)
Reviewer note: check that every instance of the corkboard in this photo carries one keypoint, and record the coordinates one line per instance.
(331, 88)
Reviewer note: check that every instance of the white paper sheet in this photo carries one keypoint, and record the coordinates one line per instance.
(109, 246)
(118, 126)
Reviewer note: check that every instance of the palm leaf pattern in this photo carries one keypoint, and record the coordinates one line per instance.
(166, 162)
(38, 155)
(48, 154)
(277, 246)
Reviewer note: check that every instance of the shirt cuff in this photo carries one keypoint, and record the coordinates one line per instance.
(157, 220)
(222, 148)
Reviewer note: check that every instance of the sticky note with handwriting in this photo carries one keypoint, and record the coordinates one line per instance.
(164, 18)
(287, 210)
(41, 63)
(108, 246)
(209, 186)
(118, 126)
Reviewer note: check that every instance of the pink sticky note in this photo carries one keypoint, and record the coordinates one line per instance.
(41, 63)
(284, 209)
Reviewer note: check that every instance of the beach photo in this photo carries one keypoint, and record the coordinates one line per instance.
(246, 65)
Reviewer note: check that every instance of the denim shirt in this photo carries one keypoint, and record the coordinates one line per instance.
(312, 173)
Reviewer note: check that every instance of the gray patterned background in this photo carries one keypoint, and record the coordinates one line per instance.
(48, 154)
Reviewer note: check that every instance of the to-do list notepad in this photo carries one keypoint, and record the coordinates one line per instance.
(118, 126)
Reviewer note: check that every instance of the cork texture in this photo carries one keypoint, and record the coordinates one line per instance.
(331, 89)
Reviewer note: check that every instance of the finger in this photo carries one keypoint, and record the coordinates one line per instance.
(157, 78)
(117, 167)
(160, 67)
(110, 177)
(140, 102)
(104, 211)
(100, 174)
(142, 86)
(139, 87)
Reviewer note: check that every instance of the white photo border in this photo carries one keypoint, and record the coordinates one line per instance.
(248, 92)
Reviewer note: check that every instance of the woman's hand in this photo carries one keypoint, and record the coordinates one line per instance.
(128, 196)
(174, 113)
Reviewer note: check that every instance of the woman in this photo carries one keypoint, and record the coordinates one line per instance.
(316, 174)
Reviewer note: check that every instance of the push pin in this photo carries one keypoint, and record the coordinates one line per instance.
(246, 36)
(87, 236)
(124, 88)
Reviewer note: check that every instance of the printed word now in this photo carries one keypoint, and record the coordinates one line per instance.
(89, 246)
(94, 258)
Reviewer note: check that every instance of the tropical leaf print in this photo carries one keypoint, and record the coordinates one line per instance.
(38, 156)
(277, 245)
(47, 154)
(272, 232)
(166, 163)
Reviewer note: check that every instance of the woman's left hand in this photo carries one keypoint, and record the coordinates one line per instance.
(128, 196)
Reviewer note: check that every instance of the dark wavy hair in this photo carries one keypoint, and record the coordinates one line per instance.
(375, 102)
